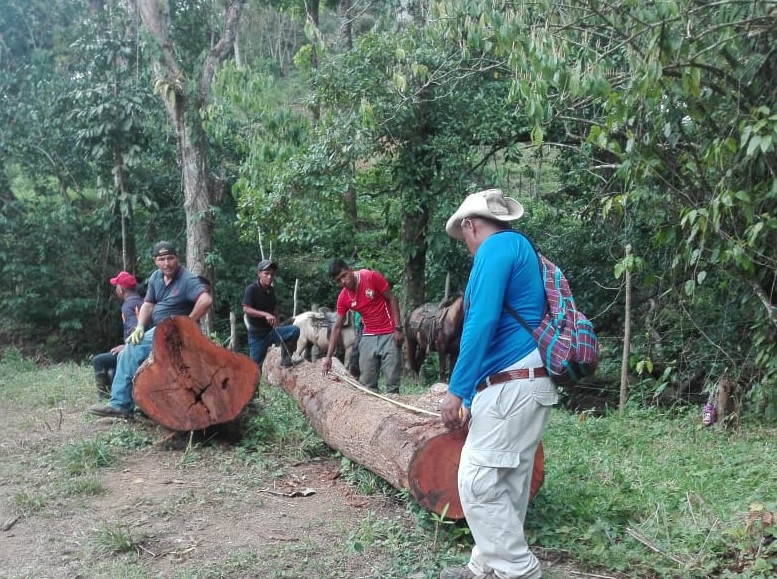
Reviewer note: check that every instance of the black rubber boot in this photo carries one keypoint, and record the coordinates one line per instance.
(103, 383)
(287, 358)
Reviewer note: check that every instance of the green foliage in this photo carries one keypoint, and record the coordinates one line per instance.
(274, 422)
(654, 495)
(650, 125)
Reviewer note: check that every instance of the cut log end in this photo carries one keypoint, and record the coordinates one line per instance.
(433, 474)
(190, 383)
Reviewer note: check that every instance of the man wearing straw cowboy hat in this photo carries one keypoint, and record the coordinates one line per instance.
(499, 386)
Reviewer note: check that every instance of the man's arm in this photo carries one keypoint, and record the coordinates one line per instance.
(334, 336)
(144, 316)
(394, 307)
(254, 313)
(201, 306)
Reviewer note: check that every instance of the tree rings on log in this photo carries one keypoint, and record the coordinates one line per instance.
(190, 383)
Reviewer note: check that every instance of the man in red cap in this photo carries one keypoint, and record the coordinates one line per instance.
(104, 365)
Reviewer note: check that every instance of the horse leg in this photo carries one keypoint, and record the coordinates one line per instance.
(413, 355)
(442, 358)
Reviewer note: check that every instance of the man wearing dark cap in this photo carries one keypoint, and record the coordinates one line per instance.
(261, 310)
(172, 291)
(104, 365)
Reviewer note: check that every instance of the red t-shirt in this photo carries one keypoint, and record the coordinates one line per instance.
(369, 301)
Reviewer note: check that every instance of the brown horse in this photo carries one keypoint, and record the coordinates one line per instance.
(436, 328)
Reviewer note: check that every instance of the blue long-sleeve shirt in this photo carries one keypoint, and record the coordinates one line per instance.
(505, 269)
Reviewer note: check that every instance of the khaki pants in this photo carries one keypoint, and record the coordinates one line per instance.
(507, 423)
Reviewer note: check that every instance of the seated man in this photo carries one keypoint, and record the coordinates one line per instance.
(104, 364)
(172, 291)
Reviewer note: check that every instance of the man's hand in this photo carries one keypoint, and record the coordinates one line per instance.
(116, 350)
(327, 365)
(453, 413)
(137, 335)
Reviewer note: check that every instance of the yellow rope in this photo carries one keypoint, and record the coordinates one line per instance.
(355, 383)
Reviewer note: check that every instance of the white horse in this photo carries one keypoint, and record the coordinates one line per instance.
(314, 329)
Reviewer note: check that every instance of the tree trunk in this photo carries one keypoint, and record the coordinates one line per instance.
(190, 383)
(201, 188)
(404, 443)
(624, 391)
(413, 236)
(346, 25)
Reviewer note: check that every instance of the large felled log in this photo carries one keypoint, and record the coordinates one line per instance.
(190, 383)
(409, 449)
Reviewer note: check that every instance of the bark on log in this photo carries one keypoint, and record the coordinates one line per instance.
(410, 450)
(190, 383)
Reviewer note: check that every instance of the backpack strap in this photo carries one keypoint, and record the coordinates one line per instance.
(518, 317)
(507, 306)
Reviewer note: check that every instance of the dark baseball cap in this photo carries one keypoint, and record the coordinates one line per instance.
(164, 248)
(266, 264)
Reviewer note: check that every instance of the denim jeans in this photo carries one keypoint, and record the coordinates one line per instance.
(129, 360)
(258, 346)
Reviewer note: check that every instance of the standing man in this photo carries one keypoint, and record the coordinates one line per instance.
(261, 310)
(367, 292)
(499, 385)
(104, 365)
(172, 291)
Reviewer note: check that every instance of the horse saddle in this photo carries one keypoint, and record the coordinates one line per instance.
(427, 320)
(326, 319)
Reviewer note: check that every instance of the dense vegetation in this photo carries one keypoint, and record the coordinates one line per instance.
(354, 129)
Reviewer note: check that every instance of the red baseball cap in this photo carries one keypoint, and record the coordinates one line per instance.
(124, 279)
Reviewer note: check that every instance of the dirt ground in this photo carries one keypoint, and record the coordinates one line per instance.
(182, 510)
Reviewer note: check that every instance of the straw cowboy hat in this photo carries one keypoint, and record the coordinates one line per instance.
(491, 204)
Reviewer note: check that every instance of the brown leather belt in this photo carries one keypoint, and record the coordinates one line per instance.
(520, 374)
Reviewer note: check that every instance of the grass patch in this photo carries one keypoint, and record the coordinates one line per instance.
(88, 485)
(28, 503)
(86, 455)
(654, 494)
(114, 538)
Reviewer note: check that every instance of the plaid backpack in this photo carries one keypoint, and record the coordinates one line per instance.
(565, 337)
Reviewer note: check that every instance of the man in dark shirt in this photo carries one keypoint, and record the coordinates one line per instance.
(261, 309)
(172, 291)
(104, 365)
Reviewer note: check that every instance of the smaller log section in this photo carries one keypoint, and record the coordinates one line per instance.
(190, 383)
(409, 450)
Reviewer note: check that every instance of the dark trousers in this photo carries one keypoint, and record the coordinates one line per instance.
(104, 365)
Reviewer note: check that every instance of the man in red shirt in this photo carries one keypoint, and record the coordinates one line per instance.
(367, 292)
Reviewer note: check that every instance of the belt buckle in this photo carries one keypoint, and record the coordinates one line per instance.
(531, 373)
(488, 381)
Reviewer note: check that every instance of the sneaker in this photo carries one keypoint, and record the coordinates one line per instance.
(108, 410)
